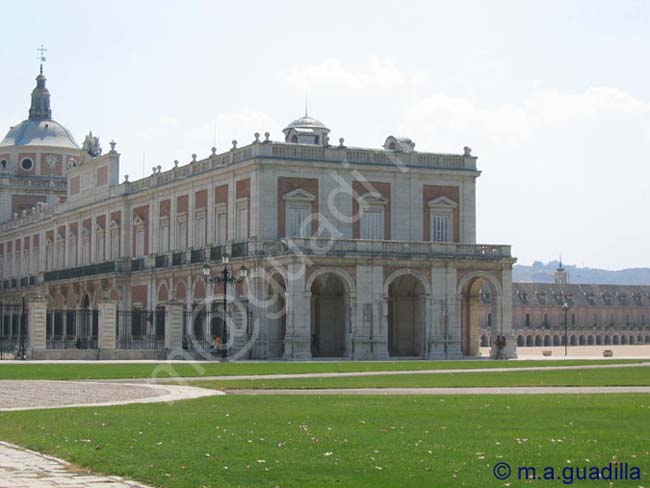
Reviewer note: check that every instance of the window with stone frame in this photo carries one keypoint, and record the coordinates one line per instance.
(298, 213)
(17, 258)
(441, 215)
(49, 255)
(85, 246)
(33, 262)
(181, 232)
(100, 244)
(242, 220)
(72, 250)
(220, 223)
(163, 240)
(372, 209)
(8, 259)
(115, 252)
(26, 269)
(200, 225)
(139, 230)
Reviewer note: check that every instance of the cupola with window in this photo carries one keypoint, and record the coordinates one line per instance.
(307, 130)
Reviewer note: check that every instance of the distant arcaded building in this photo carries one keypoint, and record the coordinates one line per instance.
(595, 315)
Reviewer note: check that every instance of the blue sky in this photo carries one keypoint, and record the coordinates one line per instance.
(553, 97)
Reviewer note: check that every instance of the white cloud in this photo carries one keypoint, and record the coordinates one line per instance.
(376, 75)
(515, 124)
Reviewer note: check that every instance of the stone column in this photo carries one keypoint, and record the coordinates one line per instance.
(37, 322)
(174, 325)
(444, 318)
(297, 343)
(107, 324)
(503, 326)
(369, 330)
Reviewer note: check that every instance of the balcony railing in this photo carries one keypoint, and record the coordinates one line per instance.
(137, 264)
(179, 258)
(197, 256)
(90, 270)
(162, 261)
(239, 249)
(315, 246)
(216, 253)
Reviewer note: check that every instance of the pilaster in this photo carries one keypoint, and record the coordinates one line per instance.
(107, 324)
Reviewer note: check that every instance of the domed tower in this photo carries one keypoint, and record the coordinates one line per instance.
(307, 130)
(34, 156)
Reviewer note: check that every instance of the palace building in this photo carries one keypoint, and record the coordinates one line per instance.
(333, 250)
(595, 315)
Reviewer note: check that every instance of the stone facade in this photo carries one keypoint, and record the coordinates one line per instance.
(352, 252)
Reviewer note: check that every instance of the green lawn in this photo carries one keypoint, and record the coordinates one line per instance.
(635, 376)
(334, 441)
(165, 370)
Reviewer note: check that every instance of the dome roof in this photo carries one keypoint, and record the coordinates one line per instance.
(306, 122)
(39, 133)
(39, 129)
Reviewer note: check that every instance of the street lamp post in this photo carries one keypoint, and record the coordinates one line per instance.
(565, 309)
(226, 276)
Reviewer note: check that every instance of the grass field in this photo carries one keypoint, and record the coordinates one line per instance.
(166, 370)
(342, 441)
(634, 376)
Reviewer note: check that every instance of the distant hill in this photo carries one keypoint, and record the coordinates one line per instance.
(544, 273)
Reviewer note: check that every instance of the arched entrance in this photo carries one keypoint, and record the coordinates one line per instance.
(328, 316)
(472, 290)
(406, 317)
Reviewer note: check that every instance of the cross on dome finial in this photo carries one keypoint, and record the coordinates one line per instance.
(41, 55)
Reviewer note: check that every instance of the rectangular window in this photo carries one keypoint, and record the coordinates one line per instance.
(220, 228)
(181, 234)
(49, 257)
(115, 244)
(527, 320)
(99, 247)
(242, 223)
(489, 320)
(573, 319)
(545, 319)
(595, 319)
(440, 228)
(85, 250)
(72, 252)
(298, 221)
(372, 225)
(139, 242)
(164, 236)
(199, 231)
(34, 261)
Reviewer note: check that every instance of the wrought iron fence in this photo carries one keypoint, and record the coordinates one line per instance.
(14, 331)
(72, 329)
(203, 330)
(141, 329)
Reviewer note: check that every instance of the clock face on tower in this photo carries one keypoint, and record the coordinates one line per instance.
(50, 159)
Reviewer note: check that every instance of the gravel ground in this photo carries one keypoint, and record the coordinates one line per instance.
(30, 394)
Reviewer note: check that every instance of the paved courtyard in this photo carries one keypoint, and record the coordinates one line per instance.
(21, 468)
